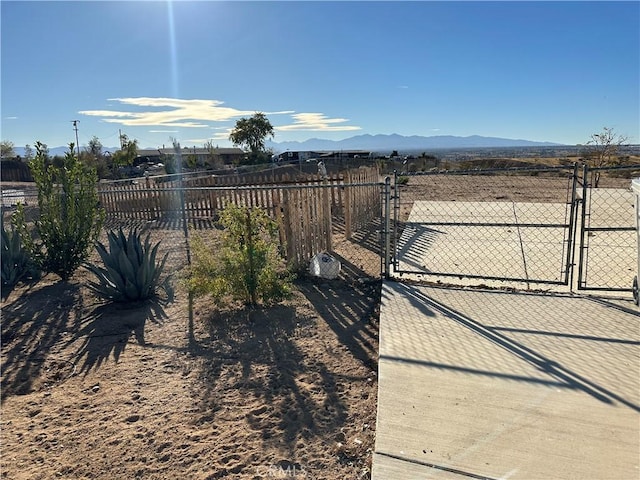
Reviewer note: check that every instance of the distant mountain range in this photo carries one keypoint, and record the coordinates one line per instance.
(59, 150)
(382, 143)
(376, 143)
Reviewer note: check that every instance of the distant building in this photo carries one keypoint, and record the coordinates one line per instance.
(303, 156)
(14, 170)
(203, 156)
(347, 154)
(295, 156)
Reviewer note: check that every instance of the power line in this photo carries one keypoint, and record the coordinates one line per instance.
(75, 127)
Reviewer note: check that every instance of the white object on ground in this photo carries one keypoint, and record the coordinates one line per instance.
(324, 265)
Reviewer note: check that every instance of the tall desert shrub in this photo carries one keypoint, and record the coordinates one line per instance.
(246, 266)
(70, 217)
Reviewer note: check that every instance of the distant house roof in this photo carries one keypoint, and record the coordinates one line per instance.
(149, 152)
(346, 153)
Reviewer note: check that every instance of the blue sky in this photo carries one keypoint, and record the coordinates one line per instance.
(545, 71)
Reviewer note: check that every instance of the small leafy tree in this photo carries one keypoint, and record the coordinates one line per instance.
(6, 149)
(251, 133)
(28, 153)
(214, 158)
(602, 150)
(70, 218)
(247, 266)
(192, 161)
(95, 147)
(93, 155)
(170, 163)
(127, 153)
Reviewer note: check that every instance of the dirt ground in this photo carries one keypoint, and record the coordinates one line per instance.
(91, 390)
(492, 188)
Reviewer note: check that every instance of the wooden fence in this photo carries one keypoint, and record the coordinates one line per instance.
(362, 200)
(303, 206)
(15, 171)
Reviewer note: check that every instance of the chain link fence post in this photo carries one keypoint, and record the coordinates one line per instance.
(396, 210)
(387, 227)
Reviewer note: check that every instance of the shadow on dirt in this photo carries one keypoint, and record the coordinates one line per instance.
(43, 322)
(350, 309)
(106, 331)
(257, 352)
(31, 327)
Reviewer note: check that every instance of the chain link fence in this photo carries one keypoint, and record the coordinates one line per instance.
(522, 227)
(507, 225)
(518, 227)
(169, 232)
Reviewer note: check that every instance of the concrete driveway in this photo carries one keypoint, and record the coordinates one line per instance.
(491, 384)
(525, 244)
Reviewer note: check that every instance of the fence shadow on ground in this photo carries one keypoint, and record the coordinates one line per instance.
(107, 329)
(368, 237)
(414, 243)
(253, 351)
(31, 326)
(352, 312)
(558, 374)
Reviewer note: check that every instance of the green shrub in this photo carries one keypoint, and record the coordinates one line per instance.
(130, 271)
(16, 262)
(70, 218)
(247, 266)
(403, 180)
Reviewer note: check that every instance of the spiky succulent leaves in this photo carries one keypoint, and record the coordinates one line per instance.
(16, 263)
(130, 272)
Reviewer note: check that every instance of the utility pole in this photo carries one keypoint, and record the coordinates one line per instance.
(75, 127)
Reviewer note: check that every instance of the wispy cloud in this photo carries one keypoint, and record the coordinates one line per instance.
(224, 135)
(282, 112)
(194, 141)
(173, 112)
(403, 86)
(199, 113)
(10, 118)
(317, 122)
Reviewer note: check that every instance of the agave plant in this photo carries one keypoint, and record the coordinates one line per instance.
(16, 262)
(130, 271)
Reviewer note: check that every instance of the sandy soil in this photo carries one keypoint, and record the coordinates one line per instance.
(494, 188)
(96, 391)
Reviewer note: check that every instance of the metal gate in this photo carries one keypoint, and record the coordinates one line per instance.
(608, 244)
(514, 225)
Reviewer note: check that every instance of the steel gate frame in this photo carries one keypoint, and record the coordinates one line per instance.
(569, 226)
(586, 229)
